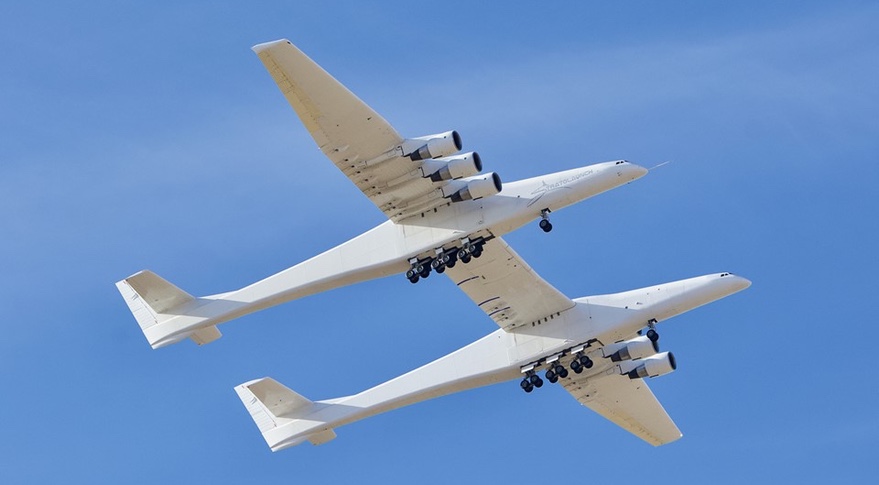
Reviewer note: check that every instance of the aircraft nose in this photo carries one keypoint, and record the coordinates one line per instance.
(632, 170)
(735, 282)
(639, 170)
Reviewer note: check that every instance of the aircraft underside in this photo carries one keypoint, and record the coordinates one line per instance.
(445, 216)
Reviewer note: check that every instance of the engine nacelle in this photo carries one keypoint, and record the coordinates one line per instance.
(637, 348)
(658, 365)
(455, 167)
(434, 146)
(473, 188)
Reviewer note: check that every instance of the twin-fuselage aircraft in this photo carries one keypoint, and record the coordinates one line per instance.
(445, 217)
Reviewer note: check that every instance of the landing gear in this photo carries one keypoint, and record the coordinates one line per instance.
(581, 362)
(586, 362)
(419, 269)
(412, 276)
(445, 258)
(470, 250)
(536, 381)
(531, 381)
(652, 334)
(560, 370)
(440, 262)
(453, 259)
(555, 372)
(544, 220)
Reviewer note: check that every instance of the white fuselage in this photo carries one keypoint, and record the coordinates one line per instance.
(501, 356)
(387, 248)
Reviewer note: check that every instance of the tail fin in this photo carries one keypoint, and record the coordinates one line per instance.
(278, 412)
(149, 297)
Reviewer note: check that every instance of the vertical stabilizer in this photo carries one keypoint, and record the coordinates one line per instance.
(278, 413)
(152, 300)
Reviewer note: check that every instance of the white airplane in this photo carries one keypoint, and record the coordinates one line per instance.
(442, 212)
(441, 209)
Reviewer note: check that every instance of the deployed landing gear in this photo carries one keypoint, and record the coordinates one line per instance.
(419, 269)
(440, 262)
(544, 220)
(555, 372)
(445, 258)
(531, 381)
(652, 334)
(470, 250)
(581, 362)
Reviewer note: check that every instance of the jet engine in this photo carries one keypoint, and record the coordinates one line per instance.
(454, 167)
(473, 188)
(658, 365)
(636, 348)
(434, 146)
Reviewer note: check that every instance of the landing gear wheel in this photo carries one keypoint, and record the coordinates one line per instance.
(546, 225)
(586, 362)
(451, 264)
(465, 259)
(414, 279)
(441, 270)
(476, 251)
(652, 335)
(411, 273)
(538, 383)
(425, 272)
(526, 385)
(576, 367)
(551, 377)
(436, 263)
(561, 371)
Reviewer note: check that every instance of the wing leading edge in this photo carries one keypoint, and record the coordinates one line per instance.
(506, 288)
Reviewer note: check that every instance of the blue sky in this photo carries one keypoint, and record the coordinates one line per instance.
(148, 135)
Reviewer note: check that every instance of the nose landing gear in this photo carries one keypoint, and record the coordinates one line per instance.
(544, 220)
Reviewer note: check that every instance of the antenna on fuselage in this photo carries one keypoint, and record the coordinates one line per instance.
(657, 166)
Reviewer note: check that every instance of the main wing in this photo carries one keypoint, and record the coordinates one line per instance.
(365, 147)
(629, 403)
(506, 288)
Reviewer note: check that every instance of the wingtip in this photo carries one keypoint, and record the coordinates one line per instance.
(268, 45)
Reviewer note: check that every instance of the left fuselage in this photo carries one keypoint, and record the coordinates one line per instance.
(501, 356)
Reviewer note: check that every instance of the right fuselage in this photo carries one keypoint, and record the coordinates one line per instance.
(388, 248)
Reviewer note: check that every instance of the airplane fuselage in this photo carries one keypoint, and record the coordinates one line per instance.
(501, 356)
(387, 249)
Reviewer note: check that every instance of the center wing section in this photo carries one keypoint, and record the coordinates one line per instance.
(365, 147)
(506, 288)
(629, 403)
